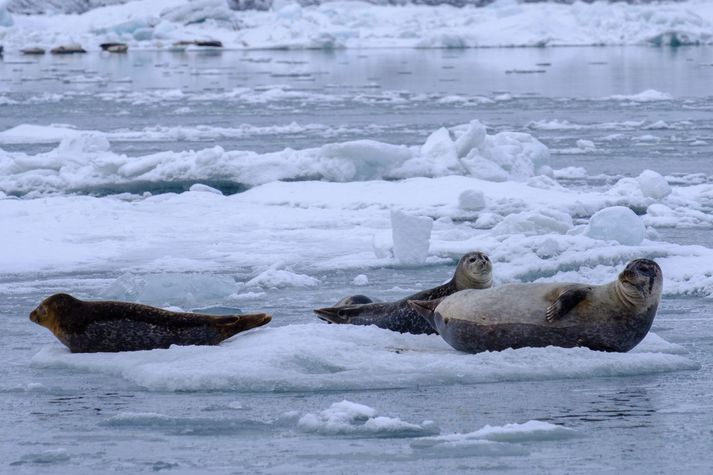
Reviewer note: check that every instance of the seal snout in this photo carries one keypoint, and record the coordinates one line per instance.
(37, 314)
(332, 314)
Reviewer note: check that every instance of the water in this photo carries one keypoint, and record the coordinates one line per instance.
(77, 420)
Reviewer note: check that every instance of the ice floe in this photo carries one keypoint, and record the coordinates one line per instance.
(332, 357)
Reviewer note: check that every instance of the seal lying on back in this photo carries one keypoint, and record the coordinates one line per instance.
(610, 317)
(89, 327)
(474, 271)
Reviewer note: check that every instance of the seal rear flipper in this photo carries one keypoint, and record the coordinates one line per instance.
(233, 325)
(566, 301)
(427, 310)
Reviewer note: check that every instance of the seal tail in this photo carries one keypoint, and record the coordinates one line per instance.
(427, 310)
(241, 323)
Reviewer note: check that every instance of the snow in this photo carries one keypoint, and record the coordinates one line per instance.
(339, 24)
(320, 357)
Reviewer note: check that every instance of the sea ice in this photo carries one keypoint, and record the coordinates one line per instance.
(185, 289)
(349, 418)
(617, 223)
(471, 200)
(653, 185)
(411, 237)
(320, 357)
(280, 278)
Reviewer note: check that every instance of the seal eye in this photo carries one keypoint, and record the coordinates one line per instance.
(471, 260)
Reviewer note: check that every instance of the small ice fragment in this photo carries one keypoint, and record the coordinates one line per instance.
(653, 185)
(471, 200)
(412, 237)
(205, 188)
(617, 223)
(361, 279)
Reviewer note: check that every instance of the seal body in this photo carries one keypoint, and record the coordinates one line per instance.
(610, 317)
(89, 327)
(474, 270)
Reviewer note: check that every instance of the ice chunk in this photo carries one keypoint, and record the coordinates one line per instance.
(471, 200)
(347, 418)
(437, 157)
(487, 220)
(534, 222)
(361, 159)
(5, 17)
(412, 237)
(199, 187)
(280, 278)
(89, 143)
(171, 288)
(586, 145)
(472, 138)
(360, 280)
(653, 185)
(201, 11)
(617, 223)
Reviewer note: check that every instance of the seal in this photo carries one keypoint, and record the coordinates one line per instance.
(93, 326)
(474, 271)
(610, 317)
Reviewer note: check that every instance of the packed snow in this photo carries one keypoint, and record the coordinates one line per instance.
(337, 24)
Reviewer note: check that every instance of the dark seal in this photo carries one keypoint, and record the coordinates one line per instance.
(610, 317)
(89, 327)
(474, 271)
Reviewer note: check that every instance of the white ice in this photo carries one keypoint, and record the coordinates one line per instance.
(159, 23)
(320, 357)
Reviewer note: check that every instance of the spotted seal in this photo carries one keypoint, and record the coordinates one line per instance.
(610, 317)
(474, 271)
(93, 326)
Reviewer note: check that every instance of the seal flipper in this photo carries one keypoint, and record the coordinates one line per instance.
(427, 310)
(566, 301)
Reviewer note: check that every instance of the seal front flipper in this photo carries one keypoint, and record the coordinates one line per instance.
(566, 301)
(427, 310)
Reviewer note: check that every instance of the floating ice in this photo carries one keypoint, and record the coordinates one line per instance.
(280, 278)
(360, 280)
(348, 418)
(534, 222)
(5, 17)
(45, 457)
(319, 357)
(530, 431)
(649, 95)
(411, 237)
(653, 185)
(617, 223)
(171, 288)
